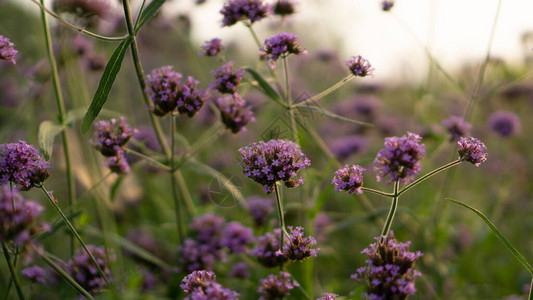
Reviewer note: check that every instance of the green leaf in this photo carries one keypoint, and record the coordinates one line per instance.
(492, 227)
(267, 88)
(47, 133)
(332, 115)
(104, 87)
(148, 13)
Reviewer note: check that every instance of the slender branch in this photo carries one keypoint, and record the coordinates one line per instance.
(175, 196)
(530, 297)
(294, 128)
(392, 211)
(12, 271)
(281, 219)
(256, 39)
(377, 192)
(438, 170)
(327, 91)
(148, 158)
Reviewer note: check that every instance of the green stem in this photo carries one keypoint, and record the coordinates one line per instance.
(256, 39)
(281, 219)
(377, 192)
(289, 101)
(392, 211)
(148, 158)
(175, 196)
(438, 170)
(327, 91)
(12, 270)
(75, 233)
(62, 114)
(531, 290)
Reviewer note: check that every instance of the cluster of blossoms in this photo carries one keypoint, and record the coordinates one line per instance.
(298, 248)
(472, 150)
(21, 164)
(7, 50)
(457, 127)
(202, 284)
(168, 92)
(82, 269)
(349, 179)
(110, 138)
(359, 66)
(328, 296)
(36, 274)
(276, 287)
(234, 112)
(236, 237)
(211, 48)
(389, 273)
(227, 79)
(284, 7)
(237, 10)
(266, 247)
(504, 123)
(260, 209)
(273, 161)
(281, 45)
(400, 158)
(347, 146)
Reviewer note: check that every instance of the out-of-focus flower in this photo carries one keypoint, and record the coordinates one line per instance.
(266, 247)
(504, 123)
(84, 8)
(211, 48)
(239, 10)
(234, 112)
(284, 7)
(236, 237)
(328, 296)
(457, 128)
(277, 287)
(239, 270)
(7, 50)
(349, 179)
(298, 248)
(118, 163)
(472, 150)
(386, 5)
(227, 79)
(347, 146)
(197, 279)
(260, 208)
(82, 269)
(35, 274)
(281, 45)
(359, 66)
(21, 164)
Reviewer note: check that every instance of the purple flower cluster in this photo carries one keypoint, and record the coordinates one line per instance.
(400, 158)
(211, 48)
(35, 274)
(266, 247)
(234, 112)
(82, 269)
(239, 270)
(386, 5)
(273, 161)
(328, 296)
(276, 287)
(298, 248)
(7, 50)
(237, 10)
(457, 127)
(17, 216)
(389, 273)
(99, 8)
(472, 150)
(260, 208)
(284, 7)
(21, 164)
(168, 92)
(202, 285)
(349, 179)
(359, 66)
(227, 79)
(504, 123)
(347, 146)
(281, 45)
(236, 237)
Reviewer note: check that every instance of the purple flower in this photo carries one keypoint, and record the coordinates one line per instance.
(22, 165)
(236, 237)
(273, 161)
(276, 287)
(457, 127)
(239, 270)
(208, 228)
(400, 158)
(237, 10)
(202, 285)
(328, 296)
(386, 5)
(266, 247)
(190, 98)
(284, 7)
(35, 274)
(7, 52)
(281, 45)
(211, 48)
(359, 66)
(298, 248)
(82, 269)
(110, 137)
(349, 179)
(234, 112)
(260, 208)
(197, 279)
(84, 8)
(347, 146)
(504, 123)
(227, 79)
(472, 150)
(118, 163)
(390, 272)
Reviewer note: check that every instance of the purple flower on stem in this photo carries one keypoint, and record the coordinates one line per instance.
(208, 228)
(118, 163)
(202, 285)
(504, 123)
(349, 179)
(266, 247)
(260, 208)
(227, 79)
(400, 158)
(457, 127)
(191, 98)
(197, 279)
(237, 10)
(82, 269)
(22, 165)
(472, 150)
(281, 45)
(35, 274)
(234, 112)
(284, 7)
(328, 296)
(298, 248)
(359, 66)
(211, 48)
(236, 237)
(276, 287)
(7, 52)
(111, 136)
(273, 161)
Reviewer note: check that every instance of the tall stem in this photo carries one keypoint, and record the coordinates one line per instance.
(62, 114)
(294, 129)
(327, 91)
(392, 211)
(175, 196)
(281, 219)
(12, 270)
(438, 170)
(530, 297)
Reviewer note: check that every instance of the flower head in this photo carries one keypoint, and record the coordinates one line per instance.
(386, 5)
(35, 274)
(457, 127)
(347, 146)
(504, 123)
(234, 112)
(118, 163)
(298, 248)
(273, 161)
(266, 247)
(197, 279)
(276, 287)
(82, 269)
(22, 165)
(237, 10)
(190, 97)
(227, 79)
(236, 237)
(328, 296)
(472, 150)
(111, 136)
(202, 285)
(400, 158)
(239, 270)
(284, 7)
(211, 48)
(359, 66)
(260, 208)
(349, 179)
(7, 50)
(281, 45)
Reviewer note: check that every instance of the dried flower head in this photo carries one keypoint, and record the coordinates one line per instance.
(234, 112)
(349, 179)
(111, 136)
(236, 237)
(240, 10)
(21, 164)
(211, 48)
(298, 248)
(7, 50)
(504, 123)
(457, 127)
(400, 158)
(266, 247)
(82, 269)
(472, 150)
(273, 161)
(260, 208)
(359, 66)
(281, 45)
(227, 79)
(284, 7)
(276, 287)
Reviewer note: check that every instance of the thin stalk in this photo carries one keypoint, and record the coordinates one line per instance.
(62, 115)
(392, 211)
(377, 192)
(531, 290)
(327, 91)
(256, 39)
(75, 233)
(175, 196)
(12, 271)
(294, 129)
(438, 170)
(148, 158)
(281, 219)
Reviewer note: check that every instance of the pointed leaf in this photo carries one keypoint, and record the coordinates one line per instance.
(332, 115)
(47, 133)
(148, 13)
(267, 88)
(104, 87)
